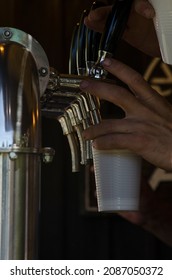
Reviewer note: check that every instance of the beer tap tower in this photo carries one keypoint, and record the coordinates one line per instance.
(29, 88)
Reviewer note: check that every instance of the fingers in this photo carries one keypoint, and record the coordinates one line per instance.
(139, 32)
(130, 77)
(129, 141)
(145, 97)
(111, 134)
(119, 134)
(143, 104)
(97, 18)
(145, 145)
(145, 138)
(144, 8)
(142, 90)
(115, 126)
(112, 93)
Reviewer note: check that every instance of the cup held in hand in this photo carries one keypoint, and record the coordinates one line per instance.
(117, 176)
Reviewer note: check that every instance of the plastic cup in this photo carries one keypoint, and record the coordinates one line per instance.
(163, 27)
(117, 176)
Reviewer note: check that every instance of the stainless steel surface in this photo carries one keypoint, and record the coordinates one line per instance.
(16, 36)
(68, 130)
(28, 88)
(77, 125)
(19, 98)
(19, 206)
(63, 91)
(48, 154)
(97, 71)
(23, 78)
(62, 86)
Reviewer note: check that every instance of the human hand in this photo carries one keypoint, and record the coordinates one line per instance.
(140, 31)
(147, 126)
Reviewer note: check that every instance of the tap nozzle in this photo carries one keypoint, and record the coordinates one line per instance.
(72, 112)
(66, 125)
(85, 120)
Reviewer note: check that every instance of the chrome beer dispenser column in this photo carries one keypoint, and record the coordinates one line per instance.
(24, 74)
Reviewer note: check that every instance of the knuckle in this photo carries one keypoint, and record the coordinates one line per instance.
(136, 79)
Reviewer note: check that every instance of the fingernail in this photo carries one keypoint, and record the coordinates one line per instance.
(85, 135)
(84, 84)
(107, 62)
(94, 144)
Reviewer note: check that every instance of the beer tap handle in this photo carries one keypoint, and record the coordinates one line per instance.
(91, 55)
(92, 45)
(92, 39)
(115, 25)
(73, 50)
(80, 54)
(111, 36)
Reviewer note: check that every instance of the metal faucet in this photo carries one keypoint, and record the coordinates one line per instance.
(63, 93)
(67, 127)
(87, 52)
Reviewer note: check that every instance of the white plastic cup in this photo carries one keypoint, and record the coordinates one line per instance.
(117, 176)
(163, 27)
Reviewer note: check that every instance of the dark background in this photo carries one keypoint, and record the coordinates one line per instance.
(67, 229)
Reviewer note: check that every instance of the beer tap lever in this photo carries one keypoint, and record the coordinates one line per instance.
(80, 53)
(92, 42)
(73, 50)
(114, 28)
